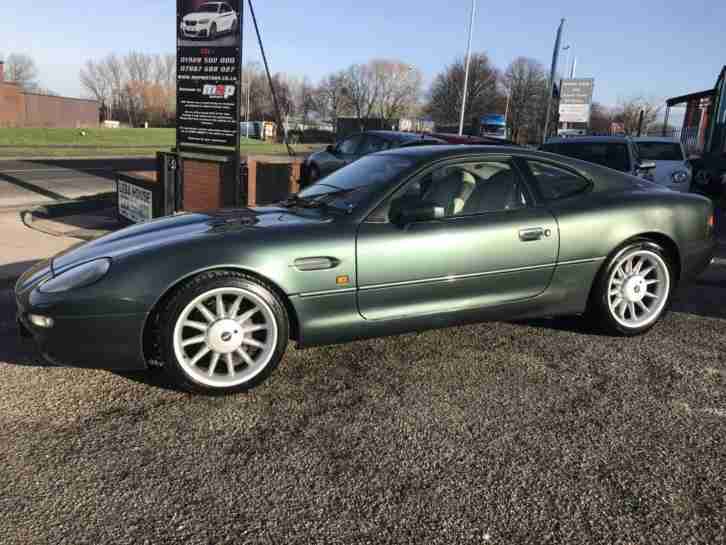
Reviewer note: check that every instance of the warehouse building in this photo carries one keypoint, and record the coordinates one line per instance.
(21, 109)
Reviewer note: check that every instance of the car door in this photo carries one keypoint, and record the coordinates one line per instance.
(491, 246)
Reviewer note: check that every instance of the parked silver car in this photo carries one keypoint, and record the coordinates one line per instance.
(672, 169)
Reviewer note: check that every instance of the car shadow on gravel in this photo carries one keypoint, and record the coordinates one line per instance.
(153, 377)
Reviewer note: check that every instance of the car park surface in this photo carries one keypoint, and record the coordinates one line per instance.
(520, 433)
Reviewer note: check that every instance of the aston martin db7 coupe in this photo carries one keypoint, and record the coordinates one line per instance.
(401, 240)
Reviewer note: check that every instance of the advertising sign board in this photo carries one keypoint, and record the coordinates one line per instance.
(208, 75)
(136, 204)
(576, 100)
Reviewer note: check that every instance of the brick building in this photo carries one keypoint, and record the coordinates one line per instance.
(21, 109)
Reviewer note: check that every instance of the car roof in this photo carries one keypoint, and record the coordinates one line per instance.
(427, 153)
(660, 139)
(589, 140)
(399, 136)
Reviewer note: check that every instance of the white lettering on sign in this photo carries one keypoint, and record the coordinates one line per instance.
(135, 203)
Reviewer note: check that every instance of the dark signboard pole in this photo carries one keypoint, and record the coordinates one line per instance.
(209, 79)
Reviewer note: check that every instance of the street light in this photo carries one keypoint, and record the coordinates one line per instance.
(466, 73)
(567, 48)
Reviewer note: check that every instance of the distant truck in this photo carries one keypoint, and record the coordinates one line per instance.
(492, 126)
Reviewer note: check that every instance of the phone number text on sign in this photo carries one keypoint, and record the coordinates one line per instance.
(135, 203)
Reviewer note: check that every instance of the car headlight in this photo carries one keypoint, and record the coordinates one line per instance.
(680, 176)
(77, 277)
(203, 21)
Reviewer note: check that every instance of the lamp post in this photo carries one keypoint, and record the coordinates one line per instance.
(466, 72)
(551, 82)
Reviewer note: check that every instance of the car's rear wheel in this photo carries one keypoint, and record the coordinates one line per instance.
(633, 290)
(223, 332)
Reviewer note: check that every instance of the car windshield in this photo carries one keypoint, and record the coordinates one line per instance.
(608, 154)
(208, 8)
(660, 151)
(350, 186)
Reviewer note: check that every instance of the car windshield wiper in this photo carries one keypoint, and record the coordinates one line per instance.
(295, 200)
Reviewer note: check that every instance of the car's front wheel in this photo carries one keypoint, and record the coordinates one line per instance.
(213, 31)
(633, 290)
(223, 332)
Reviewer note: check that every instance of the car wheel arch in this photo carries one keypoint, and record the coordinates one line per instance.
(149, 339)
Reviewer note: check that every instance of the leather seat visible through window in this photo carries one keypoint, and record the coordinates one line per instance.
(500, 192)
(451, 192)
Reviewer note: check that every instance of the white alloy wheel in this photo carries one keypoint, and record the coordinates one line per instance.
(225, 337)
(638, 288)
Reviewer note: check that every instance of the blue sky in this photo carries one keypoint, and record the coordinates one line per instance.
(629, 46)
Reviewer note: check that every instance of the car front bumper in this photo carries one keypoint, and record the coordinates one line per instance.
(196, 31)
(112, 342)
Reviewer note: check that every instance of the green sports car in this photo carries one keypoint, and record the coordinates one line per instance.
(398, 241)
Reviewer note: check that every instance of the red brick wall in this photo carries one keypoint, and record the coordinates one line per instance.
(12, 105)
(60, 112)
(18, 109)
(202, 186)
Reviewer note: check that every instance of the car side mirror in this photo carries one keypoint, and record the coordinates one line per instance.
(422, 211)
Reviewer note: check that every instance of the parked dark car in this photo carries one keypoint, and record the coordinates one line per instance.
(354, 147)
(616, 152)
(399, 241)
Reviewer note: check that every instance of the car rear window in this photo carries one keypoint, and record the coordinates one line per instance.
(609, 154)
(660, 151)
(557, 183)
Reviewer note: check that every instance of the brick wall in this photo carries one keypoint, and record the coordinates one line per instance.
(19, 109)
(12, 105)
(202, 186)
(60, 112)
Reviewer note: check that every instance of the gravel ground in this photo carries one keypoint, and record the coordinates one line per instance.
(498, 433)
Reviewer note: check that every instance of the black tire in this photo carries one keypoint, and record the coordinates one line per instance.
(198, 286)
(599, 313)
(213, 31)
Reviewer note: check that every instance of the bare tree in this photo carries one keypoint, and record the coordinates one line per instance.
(628, 111)
(399, 88)
(95, 81)
(525, 82)
(362, 90)
(601, 119)
(332, 100)
(21, 69)
(444, 104)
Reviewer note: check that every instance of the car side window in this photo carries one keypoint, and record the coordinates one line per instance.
(466, 189)
(372, 144)
(350, 145)
(557, 183)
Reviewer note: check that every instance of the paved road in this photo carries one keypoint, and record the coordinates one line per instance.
(501, 433)
(32, 182)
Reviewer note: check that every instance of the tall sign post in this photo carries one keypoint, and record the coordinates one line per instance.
(208, 100)
(576, 100)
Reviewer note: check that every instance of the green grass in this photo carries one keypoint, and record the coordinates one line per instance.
(27, 143)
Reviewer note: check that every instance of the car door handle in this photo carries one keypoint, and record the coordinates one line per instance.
(529, 235)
